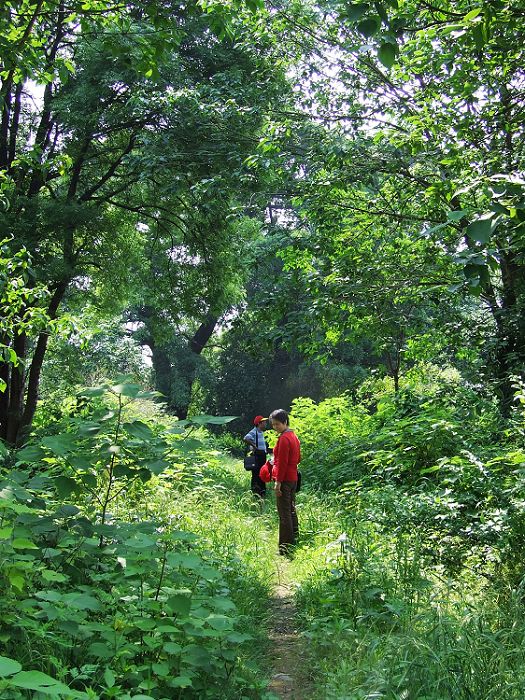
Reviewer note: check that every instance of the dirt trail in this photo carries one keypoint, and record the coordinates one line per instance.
(288, 679)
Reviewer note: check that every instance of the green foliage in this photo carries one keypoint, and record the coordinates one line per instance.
(399, 436)
(22, 303)
(104, 593)
(379, 616)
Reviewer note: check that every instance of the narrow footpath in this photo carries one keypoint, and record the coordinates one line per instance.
(288, 679)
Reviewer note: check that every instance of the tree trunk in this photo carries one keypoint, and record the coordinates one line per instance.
(162, 368)
(167, 373)
(509, 318)
(36, 366)
(16, 390)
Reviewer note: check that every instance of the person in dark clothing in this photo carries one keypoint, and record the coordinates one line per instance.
(255, 438)
(287, 455)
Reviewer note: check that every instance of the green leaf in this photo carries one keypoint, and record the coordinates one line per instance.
(181, 682)
(354, 12)
(22, 543)
(8, 666)
(472, 14)
(100, 650)
(92, 391)
(387, 53)
(220, 622)
(139, 430)
(370, 26)
(156, 466)
(123, 471)
(456, 215)
(82, 601)
(109, 678)
(60, 445)
(140, 541)
(130, 390)
(30, 455)
(179, 604)
(50, 575)
(65, 486)
(188, 445)
(161, 669)
(431, 470)
(212, 420)
(89, 480)
(481, 229)
(41, 682)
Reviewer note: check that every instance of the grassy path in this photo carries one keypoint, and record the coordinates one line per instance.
(286, 645)
(243, 536)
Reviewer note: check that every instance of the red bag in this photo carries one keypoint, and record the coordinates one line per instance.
(265, 472)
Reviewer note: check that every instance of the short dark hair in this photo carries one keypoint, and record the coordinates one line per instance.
(281, 415)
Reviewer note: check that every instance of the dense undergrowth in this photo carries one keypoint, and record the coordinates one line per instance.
(411, 576)
(136, 565)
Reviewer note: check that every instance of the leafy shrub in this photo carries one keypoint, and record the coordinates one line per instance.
(94, 602)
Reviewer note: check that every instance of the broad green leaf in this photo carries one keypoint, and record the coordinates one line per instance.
(91, 392)
(100, 650)
(156, 466)
(213, 420)
(16, 580)
(130, 390)
(23, 543)
(481, 229)
(140, 541)
(89, 480)
(220, 622)
(65, 486)
(9, 666)
(188, 445)
(472, 14)
(41, 682)
(161, 669)
(196, 655)
(66, 511)
(109, 678)
(431, 470)
(387, 53)
(60, 445)
(238, 637)
(370, 26)
(180, 604)
(183, 536)
(82, 601)
(50, 575)
(123, 471)
(456, 215)
(181, 682)
(139, 430)
(89, 428)
(355, 12)
(30, 455)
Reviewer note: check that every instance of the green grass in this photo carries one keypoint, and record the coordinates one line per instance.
(382, 622)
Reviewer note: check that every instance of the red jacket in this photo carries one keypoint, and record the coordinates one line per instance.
(287, 455)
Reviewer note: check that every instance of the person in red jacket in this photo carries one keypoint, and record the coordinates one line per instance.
(287, 455)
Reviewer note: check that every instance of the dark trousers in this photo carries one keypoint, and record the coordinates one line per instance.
(257, 485)
(288, 523)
